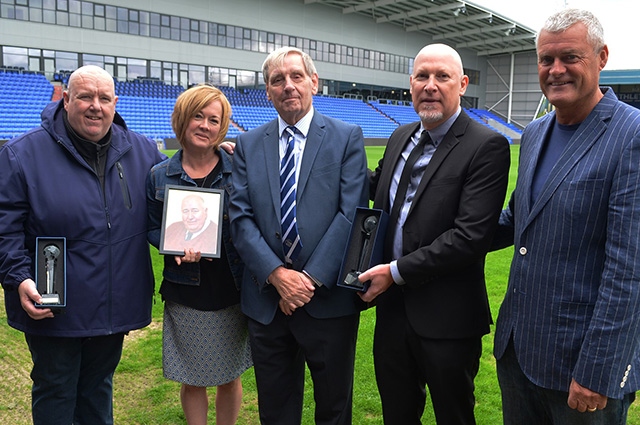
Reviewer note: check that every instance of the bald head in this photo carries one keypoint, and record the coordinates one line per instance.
(437, 83)
(91, 72)
(194, 213)
(442, 51)
(90, 101)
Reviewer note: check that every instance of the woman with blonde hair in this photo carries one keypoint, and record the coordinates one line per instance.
(205, 338)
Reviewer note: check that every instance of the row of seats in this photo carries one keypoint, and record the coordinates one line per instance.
(22, 97)
(146, 106)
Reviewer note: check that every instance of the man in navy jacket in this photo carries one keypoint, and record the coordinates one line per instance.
(79, 176)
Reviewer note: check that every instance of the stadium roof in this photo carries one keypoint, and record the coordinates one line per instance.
(461, 24)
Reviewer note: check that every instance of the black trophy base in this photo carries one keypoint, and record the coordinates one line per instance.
(351, 281)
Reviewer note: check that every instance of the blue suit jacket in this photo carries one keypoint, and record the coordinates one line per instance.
(331, 184)
(573, 300)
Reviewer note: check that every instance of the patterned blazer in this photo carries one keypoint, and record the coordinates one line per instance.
(573, 300)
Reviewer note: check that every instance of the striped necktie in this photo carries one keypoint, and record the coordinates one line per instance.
(290, 237)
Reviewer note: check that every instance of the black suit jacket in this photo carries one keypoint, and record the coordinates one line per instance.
(448, 229)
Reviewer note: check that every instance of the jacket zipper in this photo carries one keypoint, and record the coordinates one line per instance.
(123, 186)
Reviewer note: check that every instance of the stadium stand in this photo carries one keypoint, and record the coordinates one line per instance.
(147, 104)
(23, 95)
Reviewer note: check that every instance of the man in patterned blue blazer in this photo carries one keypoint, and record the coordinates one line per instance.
(567, 338)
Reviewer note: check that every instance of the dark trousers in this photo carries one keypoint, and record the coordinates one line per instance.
(73, 379)
(524, 403)
(405, 363)
(280, 350)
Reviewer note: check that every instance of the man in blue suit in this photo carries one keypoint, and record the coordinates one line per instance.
(568, 334)
(292, 244)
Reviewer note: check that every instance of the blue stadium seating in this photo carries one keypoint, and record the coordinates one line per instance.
(147, 104)
(22, 98)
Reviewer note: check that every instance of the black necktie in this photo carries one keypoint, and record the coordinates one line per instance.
(405, 177)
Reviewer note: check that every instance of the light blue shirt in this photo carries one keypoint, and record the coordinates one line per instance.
(437, 135)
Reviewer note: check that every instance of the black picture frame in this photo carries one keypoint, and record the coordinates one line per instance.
(177, 223)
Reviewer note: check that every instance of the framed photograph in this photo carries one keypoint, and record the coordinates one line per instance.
(192, 218)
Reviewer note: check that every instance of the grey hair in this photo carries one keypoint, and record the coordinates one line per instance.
(277, 57)
(563, 20)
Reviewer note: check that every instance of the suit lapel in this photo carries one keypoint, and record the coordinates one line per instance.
(394, 149)
(315, 139)
(583, 139)
(271, 155)
(528, 161)
(442, 151)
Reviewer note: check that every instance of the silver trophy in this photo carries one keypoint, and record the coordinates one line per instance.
(368, 226)
(51, 253)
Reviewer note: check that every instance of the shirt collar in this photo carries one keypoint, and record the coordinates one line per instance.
(438, 133)
(302, 126)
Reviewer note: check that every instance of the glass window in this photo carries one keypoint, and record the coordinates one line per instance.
(35, 15)
(111, 12)
(123, 26)
(87, 22)
(15, 56)
(22, 13)
(74, 20)
(133, 15)
(87, 8)
(213, 30)
(92, 59)
(185, 33)
(62, 18)
(123, 14)
(99, 10)
(99, 23)
(112, 25)
(75, 6)
(136, 68)
(154, 31)
(63, 5)
(49, 4)
(66, 60)
(7, 11)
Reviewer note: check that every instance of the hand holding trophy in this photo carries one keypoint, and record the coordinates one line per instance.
(369, 224)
